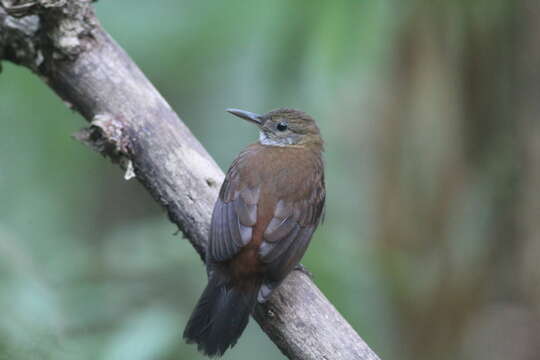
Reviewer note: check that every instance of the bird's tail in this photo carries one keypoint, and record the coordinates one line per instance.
(220, 316)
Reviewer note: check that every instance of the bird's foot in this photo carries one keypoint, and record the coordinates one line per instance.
(302, 268)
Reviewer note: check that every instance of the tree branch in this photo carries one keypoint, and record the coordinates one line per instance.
(63, 43)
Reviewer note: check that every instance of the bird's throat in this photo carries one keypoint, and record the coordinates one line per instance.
(264, 139)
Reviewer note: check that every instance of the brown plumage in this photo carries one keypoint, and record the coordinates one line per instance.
(268, 208)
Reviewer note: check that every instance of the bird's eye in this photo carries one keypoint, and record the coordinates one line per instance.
(281, 126)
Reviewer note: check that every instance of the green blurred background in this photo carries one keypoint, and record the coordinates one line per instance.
(430, 113)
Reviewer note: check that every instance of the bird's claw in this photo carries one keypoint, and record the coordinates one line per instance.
(302, 268)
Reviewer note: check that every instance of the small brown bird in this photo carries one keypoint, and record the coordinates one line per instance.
(268, 208)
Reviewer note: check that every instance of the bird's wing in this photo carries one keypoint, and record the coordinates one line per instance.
(287, 236)
(290, 226)
(233, 219)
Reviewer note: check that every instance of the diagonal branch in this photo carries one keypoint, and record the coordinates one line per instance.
(63, 43)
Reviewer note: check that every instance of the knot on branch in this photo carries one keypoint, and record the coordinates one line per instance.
(21, 8)
(107, 136)
(18, 40)
(18, 8)
(63, 31)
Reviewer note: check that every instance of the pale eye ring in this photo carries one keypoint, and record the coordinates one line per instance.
(281, 126)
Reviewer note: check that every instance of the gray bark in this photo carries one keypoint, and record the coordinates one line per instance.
(130, 122)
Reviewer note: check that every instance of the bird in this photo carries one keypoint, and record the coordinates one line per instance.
(269, 205)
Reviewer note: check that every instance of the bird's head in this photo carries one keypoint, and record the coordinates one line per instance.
(284, 127)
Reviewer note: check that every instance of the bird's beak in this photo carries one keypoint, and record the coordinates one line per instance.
(249, 116)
